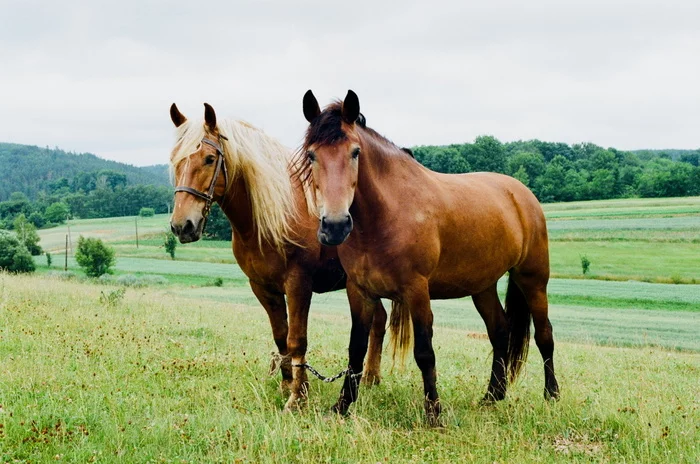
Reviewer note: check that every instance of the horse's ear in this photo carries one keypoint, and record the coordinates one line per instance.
(351, 108)
(210, 117)
(311, 108)
(177, 117)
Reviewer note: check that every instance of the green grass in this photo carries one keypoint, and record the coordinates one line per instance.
(626, 260)
(108, 229)
(159, 377)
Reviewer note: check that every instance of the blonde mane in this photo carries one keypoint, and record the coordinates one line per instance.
(265, 165)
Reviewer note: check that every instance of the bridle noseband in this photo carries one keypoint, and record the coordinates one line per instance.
(208, 197)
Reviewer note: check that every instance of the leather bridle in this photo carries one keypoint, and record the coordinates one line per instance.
(208, 197)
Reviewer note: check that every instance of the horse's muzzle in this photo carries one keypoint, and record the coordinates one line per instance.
(333, 232)
(187, 232)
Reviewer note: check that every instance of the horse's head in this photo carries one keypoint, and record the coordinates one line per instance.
(332, 150)
(200, 173)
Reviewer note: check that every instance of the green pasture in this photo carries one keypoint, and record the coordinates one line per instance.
(177, 375)
(108, 229)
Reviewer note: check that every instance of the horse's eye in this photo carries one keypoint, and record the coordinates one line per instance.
(209, 160)
(310, 156)
(356, 153)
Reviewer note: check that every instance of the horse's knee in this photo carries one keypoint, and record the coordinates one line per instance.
(296, 346)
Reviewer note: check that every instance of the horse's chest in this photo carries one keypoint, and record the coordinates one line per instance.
(374, 274)
(257, 266)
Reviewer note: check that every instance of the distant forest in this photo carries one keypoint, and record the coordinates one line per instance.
(49, 185)
(561, 172)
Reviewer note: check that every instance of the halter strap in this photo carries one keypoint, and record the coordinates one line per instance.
(208, 197)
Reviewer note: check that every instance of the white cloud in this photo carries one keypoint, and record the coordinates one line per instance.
(99, 76)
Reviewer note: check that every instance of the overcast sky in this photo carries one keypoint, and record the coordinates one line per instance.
(99, 76)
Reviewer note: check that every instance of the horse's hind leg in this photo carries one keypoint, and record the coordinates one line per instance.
(491, 311)
(373, 362)
(534, 287)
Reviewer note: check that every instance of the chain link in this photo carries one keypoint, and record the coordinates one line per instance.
(323, 378)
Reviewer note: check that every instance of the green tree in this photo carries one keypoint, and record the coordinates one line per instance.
(94, 256)
(218, 226)
(521, 175)
(485, 154)
(37, 219)
(57, 213)
(170, 244)
(26, 233)
(532, 163)
(14, 256)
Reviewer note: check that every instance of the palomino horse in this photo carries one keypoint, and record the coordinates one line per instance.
(274, 231)
(419, 235)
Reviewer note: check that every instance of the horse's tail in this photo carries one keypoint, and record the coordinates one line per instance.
(401, 331)
(519, 316)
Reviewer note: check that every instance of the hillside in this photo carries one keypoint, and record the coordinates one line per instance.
(30, 169)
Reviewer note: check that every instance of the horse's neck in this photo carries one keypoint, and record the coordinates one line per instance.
(238, 208)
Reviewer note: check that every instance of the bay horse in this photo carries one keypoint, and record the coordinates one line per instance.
(409, 234)
(274, 229)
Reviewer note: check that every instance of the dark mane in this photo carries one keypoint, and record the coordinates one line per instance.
(326, 129)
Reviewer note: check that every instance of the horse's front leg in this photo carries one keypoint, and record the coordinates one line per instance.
(274, 305)
(417, 300)
(362, 312)
(298, 288)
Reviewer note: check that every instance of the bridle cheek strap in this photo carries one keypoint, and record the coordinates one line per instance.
(208, 197)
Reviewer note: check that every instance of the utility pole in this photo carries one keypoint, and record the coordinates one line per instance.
(65, 267)
(136, 223)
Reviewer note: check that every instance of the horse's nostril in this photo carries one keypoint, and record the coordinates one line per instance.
(173, 229)
(348, 220)
(323, 222)
(189, 228)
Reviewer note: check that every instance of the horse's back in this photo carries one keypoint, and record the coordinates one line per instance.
(488, 224)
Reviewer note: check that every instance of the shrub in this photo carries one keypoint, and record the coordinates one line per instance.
(26, 232)
(147, 212)
(48, 259)
(170, 243)
(14, 256)
(94, 257)
(585, 264)
(112, 298)
(131, 280)
(63, 275)
(57, 212)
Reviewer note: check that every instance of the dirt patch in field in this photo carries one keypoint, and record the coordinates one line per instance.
(575, 443)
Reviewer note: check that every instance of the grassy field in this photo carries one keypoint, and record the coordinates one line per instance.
(162, 377)
(177, 371)
(110, 229)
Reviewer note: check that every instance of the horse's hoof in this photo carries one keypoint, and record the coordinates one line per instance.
(341, 408)
(371, 379)
(434, 422)
(294, 403)
(492, 397)
(551, 394)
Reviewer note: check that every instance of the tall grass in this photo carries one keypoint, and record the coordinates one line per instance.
(157, 377)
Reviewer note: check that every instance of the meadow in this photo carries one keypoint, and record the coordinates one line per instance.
(93, 371)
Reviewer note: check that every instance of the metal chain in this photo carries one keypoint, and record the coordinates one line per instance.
(323, 378)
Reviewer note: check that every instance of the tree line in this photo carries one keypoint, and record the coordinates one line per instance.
(561, 172)
(88, 195)
(553, 171)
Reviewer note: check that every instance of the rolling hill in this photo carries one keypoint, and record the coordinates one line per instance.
(30, 169)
